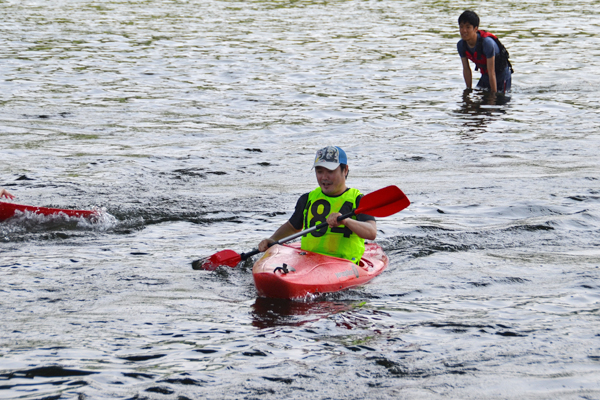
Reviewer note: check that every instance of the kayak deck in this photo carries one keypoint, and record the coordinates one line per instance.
(287, 272)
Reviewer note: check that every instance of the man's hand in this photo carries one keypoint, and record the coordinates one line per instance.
(265, 244)
(5, 193)
(332, 220)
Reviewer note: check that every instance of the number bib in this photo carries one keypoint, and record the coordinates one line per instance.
(338, 242)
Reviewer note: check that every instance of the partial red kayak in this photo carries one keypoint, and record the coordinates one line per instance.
(8, 210)
(287, 272)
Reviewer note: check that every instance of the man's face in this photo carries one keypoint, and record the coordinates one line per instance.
(332, 183)
(468, 32)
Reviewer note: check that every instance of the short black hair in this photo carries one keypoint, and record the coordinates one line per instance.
(469, 17)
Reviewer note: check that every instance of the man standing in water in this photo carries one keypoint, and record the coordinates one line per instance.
(344, 239)
(485, 51)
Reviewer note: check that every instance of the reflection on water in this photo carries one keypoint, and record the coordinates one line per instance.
(268, 313)
(479, 108)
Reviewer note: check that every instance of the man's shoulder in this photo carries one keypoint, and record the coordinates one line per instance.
(353, 192)
(489, 43)
(303, 198)
(489, 39)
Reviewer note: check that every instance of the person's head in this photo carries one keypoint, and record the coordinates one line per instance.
(331, 169)
(468, 24)
(469, 17)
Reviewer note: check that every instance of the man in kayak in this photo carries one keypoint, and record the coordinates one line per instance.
(344, 239)
(488, 54)
(5, 193)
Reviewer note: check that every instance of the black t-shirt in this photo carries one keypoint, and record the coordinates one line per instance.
(297, 218)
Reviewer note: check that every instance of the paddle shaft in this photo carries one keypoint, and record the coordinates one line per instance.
(244, 256)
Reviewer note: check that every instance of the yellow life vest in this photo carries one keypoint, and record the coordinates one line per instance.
(338, 242)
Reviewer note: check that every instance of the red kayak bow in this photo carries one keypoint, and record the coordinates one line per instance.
(380, 203)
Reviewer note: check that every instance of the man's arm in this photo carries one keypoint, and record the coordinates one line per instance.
(491, 69)
(467, 74)
(289, 227)
(364, 229)
(283, 231)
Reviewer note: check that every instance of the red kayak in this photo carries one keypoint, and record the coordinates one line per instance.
(287, 272)
(8, 210)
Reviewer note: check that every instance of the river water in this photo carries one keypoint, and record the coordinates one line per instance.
(193, 124)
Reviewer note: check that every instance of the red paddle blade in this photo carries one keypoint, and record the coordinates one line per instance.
(383, 202)
(224, 257)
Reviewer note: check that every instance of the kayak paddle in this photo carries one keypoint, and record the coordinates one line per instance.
(380, 203)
